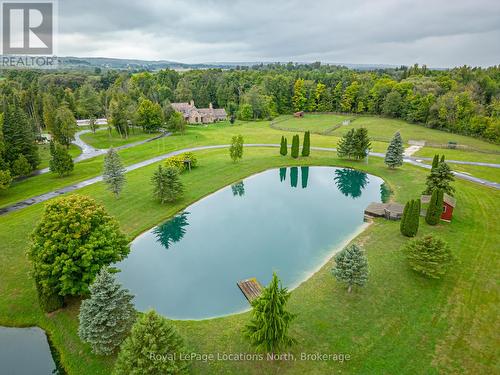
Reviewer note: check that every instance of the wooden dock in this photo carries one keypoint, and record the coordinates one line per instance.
(250, 288)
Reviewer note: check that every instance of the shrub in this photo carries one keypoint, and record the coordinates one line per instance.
(152, 335)
(21, 167)
(60, 162)
(429, 256)
(5, 179)
(177, 161)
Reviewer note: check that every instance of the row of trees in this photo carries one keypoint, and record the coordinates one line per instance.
(295, 149)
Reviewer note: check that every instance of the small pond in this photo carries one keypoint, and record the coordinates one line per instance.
(287, 220)
(25, 351)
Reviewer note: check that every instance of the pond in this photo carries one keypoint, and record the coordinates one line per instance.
(25, 351)
(287, 220)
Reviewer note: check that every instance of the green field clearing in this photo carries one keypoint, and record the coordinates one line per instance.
(44, 153)
(316, 123)
(451, 154)
(399, 323)
(102, 138)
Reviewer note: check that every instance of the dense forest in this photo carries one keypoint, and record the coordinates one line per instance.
(462, 100)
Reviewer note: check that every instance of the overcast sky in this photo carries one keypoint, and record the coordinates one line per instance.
(439, 33)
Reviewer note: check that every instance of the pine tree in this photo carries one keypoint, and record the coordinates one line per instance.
(21, 167)
(167, 186)
(107, 316)
(60, 162)
(428, 256)
(153, 347)
(351, 266)
(362, 144)
(345, 146)
(18, 138)
(114, 172)
(306, 146)
(295, 146)
(394, 154)
(283, 147)
(435, 208)
(268, 328)
(435, 161)
(440, 179)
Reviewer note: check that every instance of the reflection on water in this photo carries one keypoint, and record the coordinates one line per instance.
(385, 193)
(238, 189)
(304, 174)
(282, 174)
(294, 176)
(350, 182)
(172, 230)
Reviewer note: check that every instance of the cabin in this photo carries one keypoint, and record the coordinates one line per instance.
(299, 114)
(449, 204)
(194, 115)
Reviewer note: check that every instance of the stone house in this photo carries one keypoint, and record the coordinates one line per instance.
(194, 115)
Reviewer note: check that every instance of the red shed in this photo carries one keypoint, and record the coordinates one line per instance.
(448, 205)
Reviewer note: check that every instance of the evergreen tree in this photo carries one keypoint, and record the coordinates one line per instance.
(151, 336)
(440, 179)
(394, 154)
(114, 172)
(268, 328)
(362, 144)
(435, 208)
(167, 186)
(283, 146)
(306, 147)
(107, 316)
(295, 146)
(236, 148)
(351, 266)
(18, 139)
(60, 162)
(415, 217)
(435, 161)
(429, 256)
(345, 147)
(404, 218)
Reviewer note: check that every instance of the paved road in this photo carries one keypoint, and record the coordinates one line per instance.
(89, 152)
(44, 197)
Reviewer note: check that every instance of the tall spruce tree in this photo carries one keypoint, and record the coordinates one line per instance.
(107, 316)
(394, 154)
(60, 162)
(167, 186)
(268, 328)
(345, 147)
(295, 146)
(283, 146)
(435, 161)
(152, 336)
(440, 178)
(306, 146)
(435, 208)
(114, 172)
(18, 138)
(351, 267)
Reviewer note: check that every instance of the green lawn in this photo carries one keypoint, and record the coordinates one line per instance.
(102, 138)
(460, 155)
(316, 123)
(44, 153)
(488, 173)
(399, 323)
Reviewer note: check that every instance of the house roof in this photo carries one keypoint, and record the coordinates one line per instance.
(449, 200)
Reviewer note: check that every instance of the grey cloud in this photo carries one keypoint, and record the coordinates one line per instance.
(346, 31)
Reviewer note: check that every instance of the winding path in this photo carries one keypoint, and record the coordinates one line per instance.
(44, 197)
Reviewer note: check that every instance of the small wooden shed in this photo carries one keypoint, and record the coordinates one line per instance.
(449, 204)
(299, 114)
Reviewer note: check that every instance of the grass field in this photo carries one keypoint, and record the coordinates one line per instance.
(399, 323)
(460, 155)
(316, 123)
(102, 138)
(44, 153)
